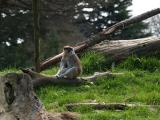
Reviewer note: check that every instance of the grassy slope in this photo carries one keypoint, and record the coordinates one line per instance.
(139, 84)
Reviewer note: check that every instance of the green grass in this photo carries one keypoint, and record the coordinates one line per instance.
(9, 70)
(92, 61)
(150, 64)
(139, 84)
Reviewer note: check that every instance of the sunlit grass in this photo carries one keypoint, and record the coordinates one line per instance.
(9, 70)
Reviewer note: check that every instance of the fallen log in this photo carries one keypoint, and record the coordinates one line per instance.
(19, 102)
(39, 79)
(120, 49)
(95, 39)
(100, 106)
(76, 81)
(107, 106)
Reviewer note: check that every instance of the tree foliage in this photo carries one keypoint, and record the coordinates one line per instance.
(154, 24)
(93, 17)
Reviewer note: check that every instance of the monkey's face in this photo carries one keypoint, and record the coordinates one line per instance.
(67, 50)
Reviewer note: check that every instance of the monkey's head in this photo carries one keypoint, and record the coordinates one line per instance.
(68, 50)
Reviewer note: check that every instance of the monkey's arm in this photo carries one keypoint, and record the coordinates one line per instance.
(63, 65)
(70, 73)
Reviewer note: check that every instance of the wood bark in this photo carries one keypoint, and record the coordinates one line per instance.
(100, 36)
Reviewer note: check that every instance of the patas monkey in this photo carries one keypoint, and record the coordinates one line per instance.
(70, 66)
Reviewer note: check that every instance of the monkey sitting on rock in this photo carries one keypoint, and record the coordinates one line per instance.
(70, 66)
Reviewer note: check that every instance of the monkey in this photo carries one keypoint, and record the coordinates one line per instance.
(70, 65)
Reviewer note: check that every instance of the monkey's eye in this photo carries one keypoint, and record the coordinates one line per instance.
(9, 93)
(68, 49)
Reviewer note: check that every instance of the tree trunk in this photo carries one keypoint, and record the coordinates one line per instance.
(101, 36)
(35, 5)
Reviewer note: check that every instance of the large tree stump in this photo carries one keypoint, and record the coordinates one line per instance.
(19, 102)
